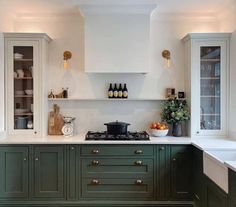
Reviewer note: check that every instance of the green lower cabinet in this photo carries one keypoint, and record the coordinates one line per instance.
(181, 172)
(73, 173)
(124, 189)
(232, 189)
(117, 167)
(198, 178)
(162, 169)
(14, 167)
(48, 172)
(214, 195)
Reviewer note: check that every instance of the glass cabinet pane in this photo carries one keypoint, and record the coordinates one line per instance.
(23, 87)
(210, 85)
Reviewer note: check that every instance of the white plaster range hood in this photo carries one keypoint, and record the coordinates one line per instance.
(117, 38)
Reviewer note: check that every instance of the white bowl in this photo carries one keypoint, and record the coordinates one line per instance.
(18, 56)
(19, 93)
(159, 133)
(19, 111)
(29, 92)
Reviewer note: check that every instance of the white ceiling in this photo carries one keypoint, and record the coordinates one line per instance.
(70, 6)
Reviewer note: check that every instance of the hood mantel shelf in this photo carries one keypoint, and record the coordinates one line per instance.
(117, 38)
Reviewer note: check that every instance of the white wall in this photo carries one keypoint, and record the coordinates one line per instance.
(68, 34)
(228, 24)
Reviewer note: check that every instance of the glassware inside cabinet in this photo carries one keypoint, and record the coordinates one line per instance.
(210, 88)
(23, 87)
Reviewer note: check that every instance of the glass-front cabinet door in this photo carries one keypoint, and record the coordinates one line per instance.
(22, 82)
(211, 88)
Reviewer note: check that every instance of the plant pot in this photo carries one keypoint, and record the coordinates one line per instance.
(177, 130)
(117, 128)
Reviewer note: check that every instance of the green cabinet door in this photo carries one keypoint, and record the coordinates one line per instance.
(215, 197)
(49, 172)
(181, 172)
(163, 172)
(14, 166)
(73, 173)
(198, 182)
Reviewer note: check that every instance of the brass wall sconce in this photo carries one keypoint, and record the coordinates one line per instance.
(66, 57)
(167, 58)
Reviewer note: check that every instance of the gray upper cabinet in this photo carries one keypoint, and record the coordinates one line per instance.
(49, 172)
(14, 167)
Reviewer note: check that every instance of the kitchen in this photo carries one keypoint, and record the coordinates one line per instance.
(162, 171)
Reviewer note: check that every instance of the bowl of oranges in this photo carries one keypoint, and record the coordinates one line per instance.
(159, 129)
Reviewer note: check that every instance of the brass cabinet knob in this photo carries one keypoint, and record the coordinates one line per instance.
(95, 182)
(95, 162)
(95, 151)
(162, 148)
(138, 182)
(36, 159)
(138, 152)
(138, 162)
(72, 148)
(174, 159)
(25, 158)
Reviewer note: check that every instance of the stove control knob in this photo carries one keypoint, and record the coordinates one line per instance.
(138, 152)
(138, 182)
(95, 151)
(138, 162)
(95, 162)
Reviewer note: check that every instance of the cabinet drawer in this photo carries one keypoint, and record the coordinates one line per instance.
(119, 150)
(117, 167)
(132, 189)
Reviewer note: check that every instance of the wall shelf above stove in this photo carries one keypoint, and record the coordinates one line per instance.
(106, 99)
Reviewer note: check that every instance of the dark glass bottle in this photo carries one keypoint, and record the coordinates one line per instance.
(125, 92)
(120, 91)
(110, 91)
(115, 91)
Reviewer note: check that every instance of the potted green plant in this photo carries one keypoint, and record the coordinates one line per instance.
(174, 112)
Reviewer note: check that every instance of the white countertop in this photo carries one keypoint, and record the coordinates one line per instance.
(231, 165)
(80, 139)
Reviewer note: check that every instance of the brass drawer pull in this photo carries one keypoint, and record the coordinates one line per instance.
(138, 162)
(95, 162)
(95, 151)
(138, 182)
(138, 152)
(95, 182)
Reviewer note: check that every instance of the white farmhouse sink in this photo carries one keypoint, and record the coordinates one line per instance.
(214, 166)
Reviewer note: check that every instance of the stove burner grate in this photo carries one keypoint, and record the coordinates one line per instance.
(130, 136)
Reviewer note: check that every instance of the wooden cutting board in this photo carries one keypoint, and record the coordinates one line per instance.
(55, 121)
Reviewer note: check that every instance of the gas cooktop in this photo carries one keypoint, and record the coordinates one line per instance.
(130, 136)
